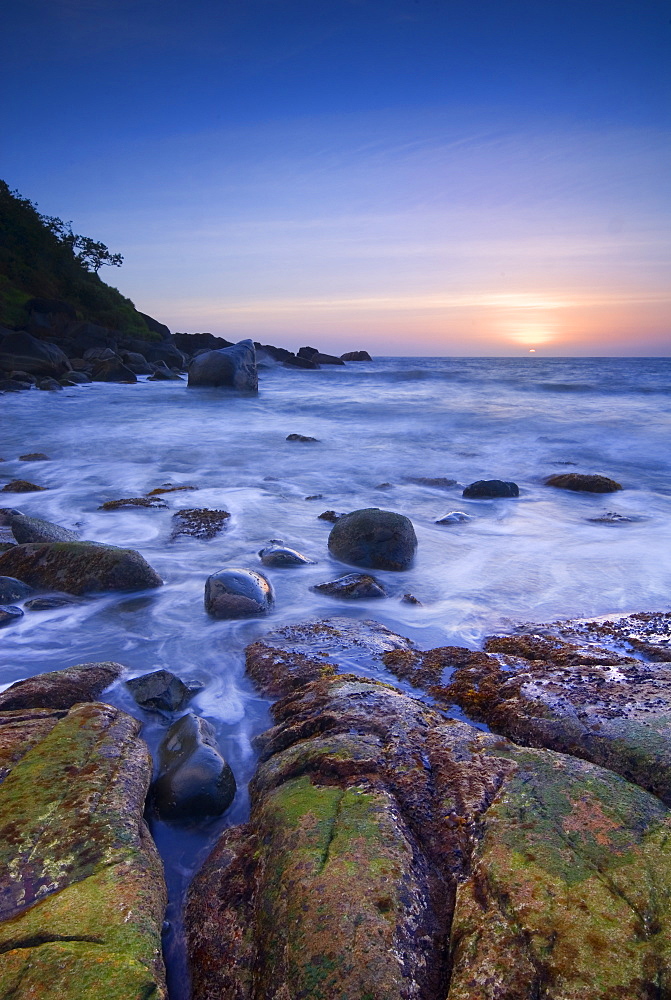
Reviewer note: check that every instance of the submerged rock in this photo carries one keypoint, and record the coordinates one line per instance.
(279, 555)
(353, 586)
(199, 522)
(9, 614)
(194, 780)
(112, 370)
(22, 486)
(12, 589)
(583, 484)
(50, 602)
(162, 691)
(238, 593)
(436, 483)
(35, 529)
(394, 853)
(611, 517)
(82, 896)
(300, 437)
(374, 538)
(232, 367)
(34, 456)
(330, 515)
(455, 517)
(61, 688)
(78, 567)
(485, 489)
(129, 502)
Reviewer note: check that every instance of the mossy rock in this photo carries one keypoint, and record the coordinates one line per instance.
(81, 891)
(78, 567)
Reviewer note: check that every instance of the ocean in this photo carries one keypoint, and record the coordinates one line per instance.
(380, 425)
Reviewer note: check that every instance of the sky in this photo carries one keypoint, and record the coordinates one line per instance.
(410, 177)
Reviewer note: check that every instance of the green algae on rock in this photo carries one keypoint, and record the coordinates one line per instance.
(61, 688)
(392, 853)
(78, 567)
(81, 891)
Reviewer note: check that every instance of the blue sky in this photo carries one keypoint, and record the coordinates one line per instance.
(411, 176)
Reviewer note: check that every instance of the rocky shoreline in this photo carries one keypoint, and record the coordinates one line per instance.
(391, 851)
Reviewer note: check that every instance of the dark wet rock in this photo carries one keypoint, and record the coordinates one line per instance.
(583, 484)
(294, 654)
(79, 378)
(21, 486)
(394, 853)
(276, 553)
(353, 586)
(34, 456)
(9, 614)
(330, 515)
(50, 603)
(611, 517)
(137, 363)
(455, 517)
(374, 538)
(231, 367)
(166, 352)
(579, 698)
(312, 354)
(169, 488)
(194, 780)
(437, 483)
(49, 385)
(300, 437)
(161, 373)
(315, 496)
(156, 327)
(356, 356)
(112, 370)
(297, 362)
(82, 895)
(307, 352)
(22, 352)
(25, 377)
(12, 385)
(384, 486)
(130, 502)
(199, 522)
(78, 567)
(35, 529)
(190, 343)
(101, 354)
(13, 590)
(61, 688)
(162, 691)
(238, 593)
(410, 599)
(485, 489)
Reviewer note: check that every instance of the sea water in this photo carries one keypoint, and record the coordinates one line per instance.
(379, 424)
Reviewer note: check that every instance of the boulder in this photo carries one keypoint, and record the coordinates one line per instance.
(78, 567)
(309, 353)
(583, 484)
(435, 482)
(166, 352)
(232, 367)
(49, 385)
(161, 373)
(35, 529)
(136, 362)
(237, 593)
(194, 780)
(61, 688)
(22, 486)
(391, 852)
(486, 489)
(20, 351)
(374, 538)
(198, 522)
(161, 691)
(50, 602)
(277, 554)
(101, 354)
(330, 515)
(13, 590)
(353, 586)
(34, 456)
(300, 437)
(82, 896)
(190, 343)
(9, 615)
(13, 385)
(128, 503)
(79, 378)
(83, 335)
(356, 356)
(296, 362)
(112, 370)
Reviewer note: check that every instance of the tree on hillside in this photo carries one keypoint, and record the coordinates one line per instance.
(91, 253)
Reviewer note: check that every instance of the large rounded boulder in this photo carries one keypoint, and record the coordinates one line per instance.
(374, 538)
(194, 780)
(233, 367)
(21, 352)
(580, 483)
(78, 567)
(238, 593)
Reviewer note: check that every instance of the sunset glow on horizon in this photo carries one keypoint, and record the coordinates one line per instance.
(404, 177)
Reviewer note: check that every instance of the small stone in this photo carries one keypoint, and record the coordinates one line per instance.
(579, 483)
(49, 603)
(410, 599)
(353, 586)
(437, 483)
(198, 522)
(315, 496)
(34, 456)
(486, 489)
(383, 486)
(9, 614)
(49, 385)
(612, 518)
(194, 780)
(22, 486)
(131, 502)
(277, 554)
(162, 691)
(238, 593)
(300, 437)
(454, 517)
(169, 488)
(330, 515)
